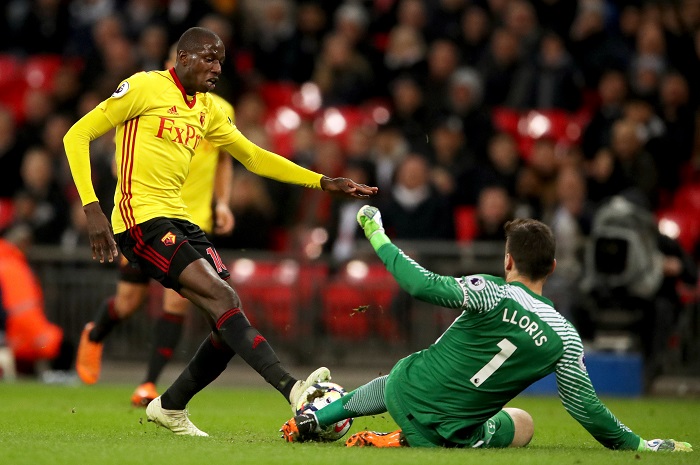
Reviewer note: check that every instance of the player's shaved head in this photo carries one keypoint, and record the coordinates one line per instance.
(193, 38)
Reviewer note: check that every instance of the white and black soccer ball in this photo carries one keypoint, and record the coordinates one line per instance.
(318, 396)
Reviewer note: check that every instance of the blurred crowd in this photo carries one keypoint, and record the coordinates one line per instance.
(465, 113)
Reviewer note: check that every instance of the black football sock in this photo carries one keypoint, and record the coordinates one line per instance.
(168, 331)
(246, 341)
(206, 365)
(105, 321)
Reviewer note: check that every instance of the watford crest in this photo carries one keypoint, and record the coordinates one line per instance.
(168, 239)
(202, 115)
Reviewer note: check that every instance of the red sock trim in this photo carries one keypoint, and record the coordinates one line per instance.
(110, 310)
(229, 313)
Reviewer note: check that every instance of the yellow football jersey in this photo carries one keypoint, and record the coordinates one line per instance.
(198, 190)
(158, 130)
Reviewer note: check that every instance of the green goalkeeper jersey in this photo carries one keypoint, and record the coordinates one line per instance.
(506, 338)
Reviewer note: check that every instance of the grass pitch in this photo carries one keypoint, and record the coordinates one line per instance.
(56, 425)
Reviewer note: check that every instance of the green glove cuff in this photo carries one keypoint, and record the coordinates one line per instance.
(378, 239)
(642, 445)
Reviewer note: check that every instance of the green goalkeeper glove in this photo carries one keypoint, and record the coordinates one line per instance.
(371, 221)
(670, 445)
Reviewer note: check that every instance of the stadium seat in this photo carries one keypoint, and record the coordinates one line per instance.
(681, 225)
(10, 69)
(687, 198)
(278, 94)
(39, 71)
(466, 225)
(7, 212)
(269, 294)
(343, 316)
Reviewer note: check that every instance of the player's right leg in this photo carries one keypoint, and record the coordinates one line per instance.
(132, 289)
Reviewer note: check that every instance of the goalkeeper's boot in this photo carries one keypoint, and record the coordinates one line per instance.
(176, 421)
(300, 428)
(374, 439)
(319, 375)
(143, 395)
(670, 445)
(89, 359)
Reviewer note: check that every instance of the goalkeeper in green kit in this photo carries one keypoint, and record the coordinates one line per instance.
(507, 337)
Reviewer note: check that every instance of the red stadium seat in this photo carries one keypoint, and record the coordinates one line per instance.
(11, 69)
(7, 212)
(466, 225)
(39, 71)
(687, 198)
(278, 94)
(342, 316)
(682, 225)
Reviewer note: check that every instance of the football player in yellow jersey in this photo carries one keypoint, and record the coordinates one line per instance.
(161, 117)
(208, 182)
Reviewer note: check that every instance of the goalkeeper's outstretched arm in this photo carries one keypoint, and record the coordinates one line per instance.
(411, 276)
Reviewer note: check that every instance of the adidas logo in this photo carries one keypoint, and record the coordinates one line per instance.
(173, 111)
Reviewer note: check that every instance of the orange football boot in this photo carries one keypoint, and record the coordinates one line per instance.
(143, 395)
(89, 360)
(374, 439)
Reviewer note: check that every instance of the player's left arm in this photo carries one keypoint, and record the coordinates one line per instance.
(224, 220)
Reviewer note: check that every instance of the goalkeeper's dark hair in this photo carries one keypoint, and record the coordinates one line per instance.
(532, 245)
(191, 40)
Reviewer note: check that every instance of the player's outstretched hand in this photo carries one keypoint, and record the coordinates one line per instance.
(100, 233)
(667, 445)
(370, 219)
(347, 187)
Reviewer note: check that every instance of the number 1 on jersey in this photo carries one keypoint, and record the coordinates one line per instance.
(507, 349)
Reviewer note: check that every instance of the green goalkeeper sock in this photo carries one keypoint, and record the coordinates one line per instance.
(363, 401)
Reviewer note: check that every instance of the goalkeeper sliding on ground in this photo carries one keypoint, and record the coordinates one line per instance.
(506, 337)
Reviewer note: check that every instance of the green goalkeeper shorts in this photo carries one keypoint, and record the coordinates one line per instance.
(496, 432)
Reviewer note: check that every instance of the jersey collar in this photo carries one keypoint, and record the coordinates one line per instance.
(533, 294)
(190, 103)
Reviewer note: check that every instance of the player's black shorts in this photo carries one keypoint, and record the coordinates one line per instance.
(163, 247)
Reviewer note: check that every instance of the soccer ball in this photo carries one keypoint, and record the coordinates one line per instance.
(318, 396)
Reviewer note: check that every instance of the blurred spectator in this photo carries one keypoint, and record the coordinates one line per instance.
(11, 153)
(415, 210)
(520, 18)
(570, 221)
(493, 210)
(343, 230)
(450, 159)
(593, 47)
(39, 26)
(502, 169)
(676, 144)
(443, 58)
(465, 101)
(388, 149)
(41, 205)
(272, 48)
(308, 39)
(75, 236)
(152, 47)
(612, 93)
(405, 54)
(445, 18)
(409, 112)
(550, 80)
(635, 166)
(343, 75)
(498, 66)
(473, 38)
(254, 211)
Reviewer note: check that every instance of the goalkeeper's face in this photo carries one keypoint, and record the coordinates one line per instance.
(202, 66)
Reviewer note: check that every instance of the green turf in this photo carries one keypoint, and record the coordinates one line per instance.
(56, 425)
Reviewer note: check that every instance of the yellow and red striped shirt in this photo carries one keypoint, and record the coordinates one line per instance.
(158, 129)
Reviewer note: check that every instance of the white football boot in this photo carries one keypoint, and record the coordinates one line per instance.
(319, 375)
(174, 420)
